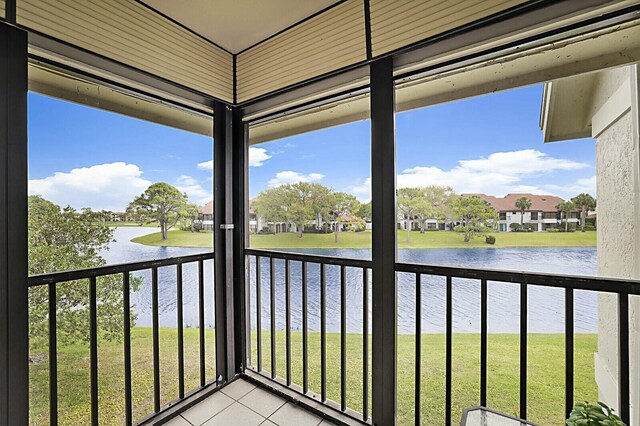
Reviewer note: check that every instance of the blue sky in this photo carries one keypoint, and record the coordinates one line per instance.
(87, 157)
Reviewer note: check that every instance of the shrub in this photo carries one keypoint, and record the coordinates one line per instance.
(357, 226)
(553, 230)
(530, 227)
(586, 414)
(515, 227)
(589, 228)
(490, 239)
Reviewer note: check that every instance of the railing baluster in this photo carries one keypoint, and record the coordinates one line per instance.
(323, 333)
(623, 356)
(126, 303)
(203, 373)
(523, 351)
(53, 356)
(568, 350)
(305, 326)
(365, 344)
(258, 313)
(156, 340)
(93, 333)
(483, 342)
(272, 291)
(418, 369)
(343, 338)
(287, 301)
(180, 319)
(448, 337)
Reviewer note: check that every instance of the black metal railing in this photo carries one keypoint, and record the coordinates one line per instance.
(259, 260)
(623, 289)
(53, 280)
(256, 275)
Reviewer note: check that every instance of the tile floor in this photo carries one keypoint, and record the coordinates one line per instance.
(242, 403)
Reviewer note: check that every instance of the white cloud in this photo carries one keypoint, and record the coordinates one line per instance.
(257, 157)
(207, 165)
(362, 190)
(103, 186)
(498, 174)
(194, 190)
(289, 177)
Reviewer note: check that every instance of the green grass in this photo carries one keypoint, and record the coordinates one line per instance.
(545, 389)
(177, 239)
(127, 224)
(441, 239)
(74, 401)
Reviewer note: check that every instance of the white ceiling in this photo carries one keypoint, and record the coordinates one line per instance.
(238, 24)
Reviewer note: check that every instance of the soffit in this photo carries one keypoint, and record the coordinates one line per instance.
(236, 25)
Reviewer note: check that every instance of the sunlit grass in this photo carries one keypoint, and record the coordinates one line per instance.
(545, 384)
(439, 239)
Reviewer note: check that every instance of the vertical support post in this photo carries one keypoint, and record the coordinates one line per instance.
(223, 241)
(241, 225)
(14, 373)
(384, 285)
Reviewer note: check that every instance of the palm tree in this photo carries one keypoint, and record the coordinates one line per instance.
(523, 203)
(584, 202)
(565, 208)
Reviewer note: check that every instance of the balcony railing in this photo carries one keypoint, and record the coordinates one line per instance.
(276, 268)
(53, 280)
(335, 280)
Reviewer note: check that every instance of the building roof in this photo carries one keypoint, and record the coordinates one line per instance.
(545, 203)
(207, 208)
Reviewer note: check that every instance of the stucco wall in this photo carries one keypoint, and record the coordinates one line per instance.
(618, 235)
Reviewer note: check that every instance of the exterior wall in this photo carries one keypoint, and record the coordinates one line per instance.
(618, 235)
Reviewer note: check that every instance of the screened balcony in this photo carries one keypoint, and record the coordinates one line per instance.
(374, 332)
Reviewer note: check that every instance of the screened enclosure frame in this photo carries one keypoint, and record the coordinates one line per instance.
(231, 136)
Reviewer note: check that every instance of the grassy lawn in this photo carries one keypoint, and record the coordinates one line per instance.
(177, 239)
(546, 374)
(123, 224)
(442, 239)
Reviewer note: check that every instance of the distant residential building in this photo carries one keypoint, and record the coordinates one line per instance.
(205, 218)
(542, 214)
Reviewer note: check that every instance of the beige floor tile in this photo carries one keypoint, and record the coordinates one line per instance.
(238, 389)
(262, 402)
(208, 408)
(236, 415)
(292, 415)
(178, 421)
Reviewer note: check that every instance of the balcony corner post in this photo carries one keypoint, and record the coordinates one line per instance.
(241, 226)
(223, 241)
(384, 285)
(14, 341)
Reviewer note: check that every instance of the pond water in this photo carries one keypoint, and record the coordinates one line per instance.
(546, 305)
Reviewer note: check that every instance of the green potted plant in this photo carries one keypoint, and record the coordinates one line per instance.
(587, 414)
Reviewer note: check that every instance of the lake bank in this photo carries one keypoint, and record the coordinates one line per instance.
(362, 240)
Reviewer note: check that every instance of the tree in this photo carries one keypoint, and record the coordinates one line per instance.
(364, 212)
(523, 203)
(565, 208)
(584, 202)
(477, 216)
(435, 204)
(62, 240)
(409, 200)
(188, 217)
(342, 205)
(297, 203)
(163, 203)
